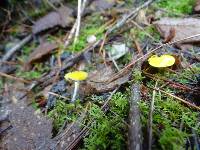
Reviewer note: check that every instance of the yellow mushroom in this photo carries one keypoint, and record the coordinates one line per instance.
(76, 76)
(161, 61)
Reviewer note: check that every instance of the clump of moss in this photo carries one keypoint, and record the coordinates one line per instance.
(62, 112)
(174, 7)
(107, 132)
(169, 115)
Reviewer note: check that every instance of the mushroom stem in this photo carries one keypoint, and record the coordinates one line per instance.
(76, 87)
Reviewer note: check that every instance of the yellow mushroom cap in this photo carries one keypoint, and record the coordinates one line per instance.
(76, 75)
(162, 61)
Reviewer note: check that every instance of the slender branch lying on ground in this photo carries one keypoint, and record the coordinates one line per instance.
(122, 21)
(8, 55)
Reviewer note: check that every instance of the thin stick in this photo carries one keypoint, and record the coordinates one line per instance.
(57, 95)
(127, 16)
(178, 98)
(151, 116)
(13, 78)
(78, 21)
(16, 47)
(71, 34)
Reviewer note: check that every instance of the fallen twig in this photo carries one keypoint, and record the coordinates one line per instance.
(16, 47)
(127, 16)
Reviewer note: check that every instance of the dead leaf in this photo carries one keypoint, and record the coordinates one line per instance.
(43, 50)
(98, 80)
(197, 6)
(141, 17)
(171, 35)
(101, 5)
(63, 17)
(183, 28)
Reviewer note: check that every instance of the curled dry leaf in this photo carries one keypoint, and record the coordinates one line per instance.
(181, 27)
(98, 80)
(62, 17)
(43, 50)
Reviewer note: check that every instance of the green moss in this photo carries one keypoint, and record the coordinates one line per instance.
(59, 114)
(169, 115)
(172, 139)
(176, 7)
(107, 132)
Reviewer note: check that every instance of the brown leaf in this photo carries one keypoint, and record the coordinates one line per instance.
(63, 17)
(183, 28)
(43, 50)
(171, 35)
(197, 6)
(98, 80)
(101, 5)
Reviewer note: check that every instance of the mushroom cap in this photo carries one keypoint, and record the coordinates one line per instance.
(76, 75)
(161, 61)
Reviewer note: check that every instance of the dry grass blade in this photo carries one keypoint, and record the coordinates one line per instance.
(13, 78)
(179, 99)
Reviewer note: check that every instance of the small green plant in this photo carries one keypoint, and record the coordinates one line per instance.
(107, 130)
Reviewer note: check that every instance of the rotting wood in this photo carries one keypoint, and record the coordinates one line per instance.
(134, 133)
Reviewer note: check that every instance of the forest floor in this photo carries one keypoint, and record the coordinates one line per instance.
(101, 74)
